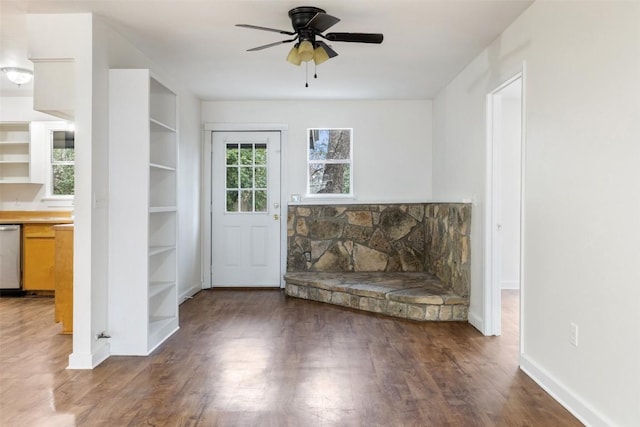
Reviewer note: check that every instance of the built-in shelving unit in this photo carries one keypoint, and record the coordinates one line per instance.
(15, 153)
(143, 300)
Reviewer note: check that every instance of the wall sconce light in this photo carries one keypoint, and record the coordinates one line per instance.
(17, 75)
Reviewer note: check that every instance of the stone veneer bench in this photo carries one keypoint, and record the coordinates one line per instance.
(411, 295)
(408, 260)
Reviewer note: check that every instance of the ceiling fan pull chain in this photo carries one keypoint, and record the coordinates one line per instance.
(306, 75)
(315, 70)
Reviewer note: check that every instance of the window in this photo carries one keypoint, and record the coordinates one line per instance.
(246, 177)
(61, 176)
(330, 162)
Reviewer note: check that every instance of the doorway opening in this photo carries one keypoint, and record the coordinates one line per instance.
(504, 226)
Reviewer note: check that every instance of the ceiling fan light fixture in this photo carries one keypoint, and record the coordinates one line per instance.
(17, 75)
(309, 24)
(294, 57)
(305, 51)
(320, 55)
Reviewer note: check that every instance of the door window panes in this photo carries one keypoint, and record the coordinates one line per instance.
(246, 177)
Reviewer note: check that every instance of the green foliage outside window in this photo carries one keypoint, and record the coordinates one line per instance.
(246, 178)
(62, 163)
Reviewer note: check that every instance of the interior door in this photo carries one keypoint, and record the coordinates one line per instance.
(245, 194)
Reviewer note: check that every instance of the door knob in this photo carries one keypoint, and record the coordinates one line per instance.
(276, 217)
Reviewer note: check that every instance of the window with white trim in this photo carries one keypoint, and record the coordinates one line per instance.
(61, 164)
(330, 162)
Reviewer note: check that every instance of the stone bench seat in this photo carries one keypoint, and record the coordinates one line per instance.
(411, 295)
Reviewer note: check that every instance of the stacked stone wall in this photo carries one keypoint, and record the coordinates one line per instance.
(431, 237)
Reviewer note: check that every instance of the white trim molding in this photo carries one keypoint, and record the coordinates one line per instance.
(185, 295)
(476, 321)
(510, 284)
(491, 320)
(582, 410)
(90, 361)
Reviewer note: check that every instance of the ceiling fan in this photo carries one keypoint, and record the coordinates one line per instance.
(308, 25)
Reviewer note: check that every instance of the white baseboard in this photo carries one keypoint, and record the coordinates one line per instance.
(476, 321)
(89, 361)
(185, 295)
(582, 410)
(510, 284)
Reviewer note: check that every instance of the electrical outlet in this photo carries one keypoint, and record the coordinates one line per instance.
(307, 256)
(573, 339)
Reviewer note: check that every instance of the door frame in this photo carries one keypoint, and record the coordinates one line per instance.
(209, 129)
(492, 286)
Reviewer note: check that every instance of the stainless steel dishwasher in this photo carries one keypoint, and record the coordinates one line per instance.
(10, 258)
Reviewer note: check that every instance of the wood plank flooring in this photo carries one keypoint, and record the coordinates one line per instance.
(257, 358)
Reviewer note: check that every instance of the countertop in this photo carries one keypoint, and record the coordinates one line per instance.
(36, 217)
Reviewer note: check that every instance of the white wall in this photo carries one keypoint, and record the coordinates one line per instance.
(20, 109)
(70, 36)
(391, 141)
(581, 212)
(95, 48)
(189, 193)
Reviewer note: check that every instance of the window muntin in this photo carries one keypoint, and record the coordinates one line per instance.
(330, 162)
(246, 177)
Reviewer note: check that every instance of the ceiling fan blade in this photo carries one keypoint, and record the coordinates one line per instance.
(332, 53)
(321, 22)
(271, 45)
(355, 37)
(274, 30)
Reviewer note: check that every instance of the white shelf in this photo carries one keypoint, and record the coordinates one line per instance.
(14, 181)
(160, 328)
(157, 126)
(157, 250)
(161, 167)
(162, 209)
(143, 148)
(158, 321)
(162, 104)
(15, 153)
(162, 148)
(156, 288)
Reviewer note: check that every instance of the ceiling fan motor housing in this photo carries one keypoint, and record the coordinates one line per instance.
(300, 16)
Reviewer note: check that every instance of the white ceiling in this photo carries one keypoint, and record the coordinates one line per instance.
(426, 43)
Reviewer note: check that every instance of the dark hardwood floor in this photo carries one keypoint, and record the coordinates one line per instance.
(257, 358)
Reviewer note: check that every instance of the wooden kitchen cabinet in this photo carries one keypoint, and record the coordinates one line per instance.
(39, 257)
(64, 277)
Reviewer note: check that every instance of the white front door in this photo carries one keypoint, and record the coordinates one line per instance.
(245, 194)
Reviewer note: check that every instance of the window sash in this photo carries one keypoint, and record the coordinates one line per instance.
(321, 155)
(60, 139)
